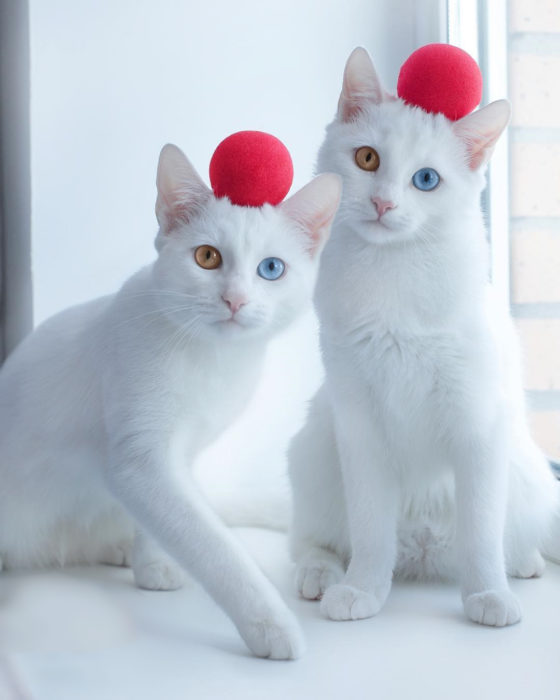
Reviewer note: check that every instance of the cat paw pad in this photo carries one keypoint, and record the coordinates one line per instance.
(159, 576)
(493, 608)
(342, 602)
(314, 577)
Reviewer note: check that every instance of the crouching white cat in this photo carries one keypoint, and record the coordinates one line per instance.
(104, 402)
(416, 458)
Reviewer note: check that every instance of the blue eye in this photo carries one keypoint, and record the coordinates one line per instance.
(425, 179)
(271, 268)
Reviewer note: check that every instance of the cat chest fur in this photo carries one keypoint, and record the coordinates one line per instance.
(420, 386)
(401, 379)
(418, 343)
(211, 391)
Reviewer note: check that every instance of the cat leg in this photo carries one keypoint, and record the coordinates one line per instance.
(153, 569)
(534, 496)
(107, 539)
(317, 570)
(481, 495)
(372, 497)
(183, 524)
(319, 531)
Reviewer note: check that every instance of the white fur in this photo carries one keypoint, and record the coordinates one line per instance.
(104, 403)
(416, 457)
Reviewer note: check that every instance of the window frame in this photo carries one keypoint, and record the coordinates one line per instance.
(480, 28)
(15, 183)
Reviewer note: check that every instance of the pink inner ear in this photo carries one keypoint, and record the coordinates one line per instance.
(348, 108)
(350, 105)
(360, 86)
(181, 192)
(177, 207)
(315, 227)
(314, 223)
(476, 157)
(480, 149)
(481, 130)
(313, 208)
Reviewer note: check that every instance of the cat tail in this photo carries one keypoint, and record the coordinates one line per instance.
(551, 548)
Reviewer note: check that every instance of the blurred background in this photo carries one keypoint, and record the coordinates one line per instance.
(110, 81)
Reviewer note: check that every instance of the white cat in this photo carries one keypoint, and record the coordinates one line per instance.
(104, 402)
(416, 458)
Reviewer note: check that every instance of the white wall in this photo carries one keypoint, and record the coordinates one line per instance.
(113, 80)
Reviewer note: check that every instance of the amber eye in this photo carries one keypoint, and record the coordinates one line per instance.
(367, 158)
(208, 257)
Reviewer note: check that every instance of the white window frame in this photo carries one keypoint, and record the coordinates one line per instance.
(480, 28)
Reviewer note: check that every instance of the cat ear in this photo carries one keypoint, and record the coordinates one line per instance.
(313, 208)
(181, 192)
(360, 86)
(481, 129)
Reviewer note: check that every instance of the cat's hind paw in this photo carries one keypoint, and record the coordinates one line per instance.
(274, 639)
(159, 576)
(314, 577)
(493, 608)
(116, 555)
(530, 566)
(342, 602)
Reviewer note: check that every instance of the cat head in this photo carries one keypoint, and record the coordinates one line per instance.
(234, 270)
(406, 173)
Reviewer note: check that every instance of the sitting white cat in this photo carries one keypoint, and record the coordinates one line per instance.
(416, 458)
(104, 402)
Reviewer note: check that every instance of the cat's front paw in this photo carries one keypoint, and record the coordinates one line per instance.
(314, 577)
(274, 637)
(159, 576)
(493, 608)
(343, 602)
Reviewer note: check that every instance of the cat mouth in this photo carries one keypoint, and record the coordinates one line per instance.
(230, 322)
(377, 222)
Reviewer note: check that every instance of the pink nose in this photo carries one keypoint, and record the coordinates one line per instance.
(234, 303)
(382, 205)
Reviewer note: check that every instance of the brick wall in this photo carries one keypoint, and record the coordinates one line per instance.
(534, 75)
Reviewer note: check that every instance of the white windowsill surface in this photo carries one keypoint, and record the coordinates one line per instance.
(87, 633)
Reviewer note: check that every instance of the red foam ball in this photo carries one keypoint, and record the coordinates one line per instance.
(441, 78)
(251, 168)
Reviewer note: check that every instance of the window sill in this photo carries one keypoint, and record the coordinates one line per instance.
(89, 633)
